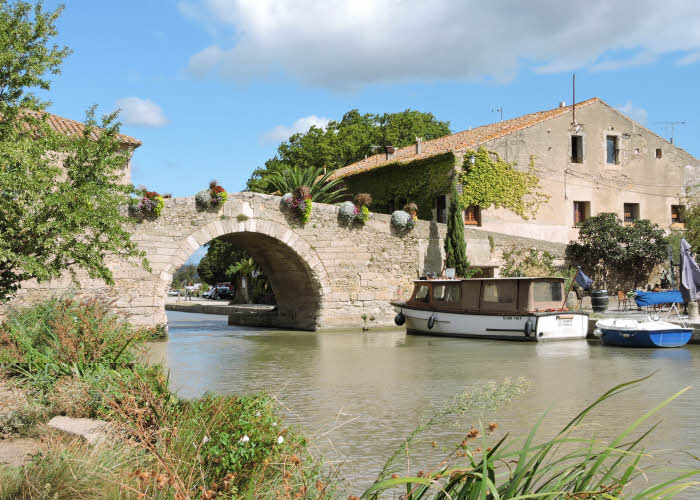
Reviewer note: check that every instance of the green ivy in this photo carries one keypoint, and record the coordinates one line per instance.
(395, 184)
(490, 181)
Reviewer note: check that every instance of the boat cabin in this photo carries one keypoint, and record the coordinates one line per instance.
(488, 295)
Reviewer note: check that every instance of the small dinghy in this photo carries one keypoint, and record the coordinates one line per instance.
(650, 333)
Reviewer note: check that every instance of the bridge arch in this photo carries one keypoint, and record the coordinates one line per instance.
(296, 274)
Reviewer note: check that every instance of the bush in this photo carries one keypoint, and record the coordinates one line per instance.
(150, 204)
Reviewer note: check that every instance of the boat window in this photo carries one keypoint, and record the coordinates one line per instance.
(501, 293)
(422, 293)
(543, 291)
(449, 294)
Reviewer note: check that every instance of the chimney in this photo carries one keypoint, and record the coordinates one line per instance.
(419, 145)
(562, 104)
(389, 149)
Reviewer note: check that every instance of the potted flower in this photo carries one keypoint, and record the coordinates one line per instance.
(149, 204)
(213, 197)
(299, 203)
(357, 211)
(405, 220)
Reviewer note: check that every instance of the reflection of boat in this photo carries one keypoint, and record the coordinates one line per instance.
(499, 308)
(633, 333)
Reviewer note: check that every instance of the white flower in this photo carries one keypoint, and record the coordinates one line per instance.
(274, 424)
(244, 439)
(280, 440)
(257, 413)
(205, 439)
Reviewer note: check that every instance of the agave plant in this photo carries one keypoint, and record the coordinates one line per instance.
(322, 190)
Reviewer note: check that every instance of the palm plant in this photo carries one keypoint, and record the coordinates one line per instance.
(322, 189)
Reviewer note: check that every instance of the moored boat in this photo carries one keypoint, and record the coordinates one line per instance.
(496, 308)
(633, 333)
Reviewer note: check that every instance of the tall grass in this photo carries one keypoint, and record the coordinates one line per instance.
(564, 467)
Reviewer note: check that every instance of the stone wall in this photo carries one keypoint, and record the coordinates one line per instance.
(324, 274)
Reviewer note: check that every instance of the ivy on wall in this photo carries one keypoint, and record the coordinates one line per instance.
(395, 184)
(490, 181)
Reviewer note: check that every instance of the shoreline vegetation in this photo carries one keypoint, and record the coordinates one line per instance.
(72, 358)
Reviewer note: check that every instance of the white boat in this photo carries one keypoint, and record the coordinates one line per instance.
(495, 308)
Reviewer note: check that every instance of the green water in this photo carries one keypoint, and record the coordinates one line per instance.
(357, 394)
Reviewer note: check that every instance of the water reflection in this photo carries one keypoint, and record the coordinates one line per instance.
(382, 383)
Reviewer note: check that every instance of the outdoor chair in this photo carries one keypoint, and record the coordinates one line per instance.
(622, 301)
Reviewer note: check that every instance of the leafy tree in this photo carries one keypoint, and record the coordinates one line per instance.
(185, 275)
(221, 255)
(626, 250)
(322, 190)
(490, 181)
(347, 141)
(243, 270)
(60, 196)
(455, 246)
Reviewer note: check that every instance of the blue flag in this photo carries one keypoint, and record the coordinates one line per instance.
(584, 281)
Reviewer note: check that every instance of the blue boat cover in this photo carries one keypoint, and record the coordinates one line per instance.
(653, 298)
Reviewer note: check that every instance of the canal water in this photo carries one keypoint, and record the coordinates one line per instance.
(359, 394)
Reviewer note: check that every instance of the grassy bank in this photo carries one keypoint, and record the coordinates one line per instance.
(78, 359)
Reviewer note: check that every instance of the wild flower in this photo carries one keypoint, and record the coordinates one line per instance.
(244, 439)
(280, 440)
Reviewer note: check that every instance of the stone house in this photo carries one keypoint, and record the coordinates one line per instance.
(72, 127)
(591, 159)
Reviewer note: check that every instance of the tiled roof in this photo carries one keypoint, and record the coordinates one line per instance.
(460, 141)
(71, 127)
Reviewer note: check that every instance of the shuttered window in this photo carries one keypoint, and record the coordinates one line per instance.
(581, 211)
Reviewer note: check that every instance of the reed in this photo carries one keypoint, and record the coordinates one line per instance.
(564, 467)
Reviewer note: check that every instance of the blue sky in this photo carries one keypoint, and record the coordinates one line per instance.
(211, 86)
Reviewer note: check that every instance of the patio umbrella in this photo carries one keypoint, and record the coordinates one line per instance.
(690, 274)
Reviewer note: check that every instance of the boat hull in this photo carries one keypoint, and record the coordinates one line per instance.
(676, 337)
(523, 327)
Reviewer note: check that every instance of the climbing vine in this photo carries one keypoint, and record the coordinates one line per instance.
(395, 184)
(490, 181)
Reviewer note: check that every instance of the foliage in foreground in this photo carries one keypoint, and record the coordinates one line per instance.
(79, 359)
(565, 467)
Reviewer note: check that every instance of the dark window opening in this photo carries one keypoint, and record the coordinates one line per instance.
(658, 153)
(613, 152)
(441, 206)
(631, 212)
(582, 211)
(576, 149)
(677, 215)
(472, 216)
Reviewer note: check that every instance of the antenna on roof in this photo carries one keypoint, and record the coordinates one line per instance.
(498, 110)
(573, 100)
(670, 126)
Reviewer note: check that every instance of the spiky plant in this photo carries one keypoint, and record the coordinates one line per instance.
(322, 190)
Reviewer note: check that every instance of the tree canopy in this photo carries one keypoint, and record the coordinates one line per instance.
(61, 197)
(627, 250)
(220, 257)
(347, 141)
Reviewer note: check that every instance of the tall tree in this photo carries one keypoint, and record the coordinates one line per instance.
(347, 141)
(455, 246)
(60, 196)
(221, 255)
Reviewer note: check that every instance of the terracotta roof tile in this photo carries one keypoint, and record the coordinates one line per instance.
(72, 127)
(467, 139)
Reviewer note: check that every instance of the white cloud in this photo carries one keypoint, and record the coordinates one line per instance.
(639, 115)
(283, 132)
(348, 43)
(141, 112)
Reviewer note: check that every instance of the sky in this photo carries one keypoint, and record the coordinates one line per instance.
(212, 86)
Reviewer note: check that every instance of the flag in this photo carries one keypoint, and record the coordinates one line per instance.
(690, 274)
(584, 281)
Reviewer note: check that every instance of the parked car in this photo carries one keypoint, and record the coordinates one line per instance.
(222, 292)
(174, 293)
(208, 293)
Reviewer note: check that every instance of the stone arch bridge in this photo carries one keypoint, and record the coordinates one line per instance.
(324, 275)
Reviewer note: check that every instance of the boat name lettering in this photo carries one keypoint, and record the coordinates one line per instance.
(512, 318)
